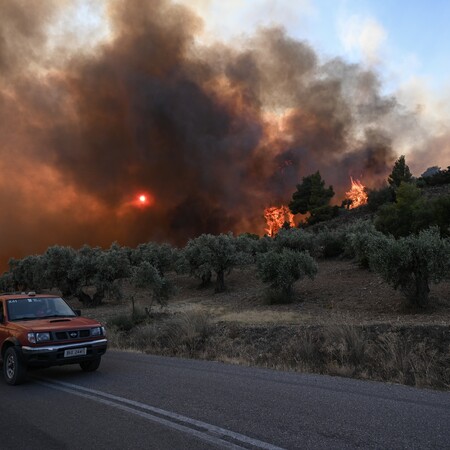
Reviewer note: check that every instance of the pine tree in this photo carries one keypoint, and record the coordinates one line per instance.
(312, 196)
(400, 172)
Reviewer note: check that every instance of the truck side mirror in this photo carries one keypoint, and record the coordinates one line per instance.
(77, 312)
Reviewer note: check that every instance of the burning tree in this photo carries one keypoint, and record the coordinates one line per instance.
(357, 194)
(277, 218)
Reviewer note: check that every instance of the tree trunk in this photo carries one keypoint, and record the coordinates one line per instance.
(206, 279)
(83, 297)
(287, 293)
(220, 281)
(89, 301)
(416, 290)
(422, 290)
(98, 298)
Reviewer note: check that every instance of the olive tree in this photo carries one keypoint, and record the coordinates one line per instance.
(219, 254)
(357, 243)
(58, 261)
(98, 269)
(28, 273)
(112, 267)
(82, 275)
(296, 239)
(411, 263)
(149, 278)
(283, 269)
(6, 282)
(160, 256)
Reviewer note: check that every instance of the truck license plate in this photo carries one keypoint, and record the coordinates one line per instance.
(75, 352)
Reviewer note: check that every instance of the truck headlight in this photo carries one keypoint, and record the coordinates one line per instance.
(97, 331)
(41, 337)
(31, 338)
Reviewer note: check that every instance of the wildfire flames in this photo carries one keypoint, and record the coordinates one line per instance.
(357, 194)
(276, 217)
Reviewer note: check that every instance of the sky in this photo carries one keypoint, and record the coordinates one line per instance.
(405, 42)
(402, 39)
(214, 110)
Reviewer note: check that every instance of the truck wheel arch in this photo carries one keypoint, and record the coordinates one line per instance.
(10, 342)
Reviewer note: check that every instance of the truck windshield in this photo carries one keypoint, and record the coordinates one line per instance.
(37, 308)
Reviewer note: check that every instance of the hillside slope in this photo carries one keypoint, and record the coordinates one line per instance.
(346, 322)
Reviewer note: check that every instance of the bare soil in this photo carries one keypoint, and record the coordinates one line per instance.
(341, 293)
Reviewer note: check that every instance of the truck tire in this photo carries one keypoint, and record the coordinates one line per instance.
(14, 370)
(90, 366)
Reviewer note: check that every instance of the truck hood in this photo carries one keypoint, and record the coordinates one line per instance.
(56, 324)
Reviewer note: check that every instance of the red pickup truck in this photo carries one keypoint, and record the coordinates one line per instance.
(44, 331)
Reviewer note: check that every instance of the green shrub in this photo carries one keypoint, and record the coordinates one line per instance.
(380, 197)
(357, 239)
(247, 244)
(409, 214)
(283, 269)
(296, 239)
(440, 208)
(323, 214)
(265, 244)
(332, 242)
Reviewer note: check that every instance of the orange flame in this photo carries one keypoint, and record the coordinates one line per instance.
(357, 194)
(276, 217)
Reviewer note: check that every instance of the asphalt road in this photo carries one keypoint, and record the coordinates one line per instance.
(139, 401)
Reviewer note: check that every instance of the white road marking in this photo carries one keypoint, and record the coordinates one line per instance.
(205, 431)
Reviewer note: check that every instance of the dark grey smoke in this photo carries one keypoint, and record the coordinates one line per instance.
(196, 127)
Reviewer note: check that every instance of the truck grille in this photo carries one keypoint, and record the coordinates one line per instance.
(71, 334)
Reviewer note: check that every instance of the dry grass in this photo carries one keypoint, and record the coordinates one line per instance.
(362, 352)
(250, 317)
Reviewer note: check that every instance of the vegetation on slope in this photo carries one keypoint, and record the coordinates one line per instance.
(400, 243)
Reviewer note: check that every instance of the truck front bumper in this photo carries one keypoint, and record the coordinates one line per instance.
(54, 355)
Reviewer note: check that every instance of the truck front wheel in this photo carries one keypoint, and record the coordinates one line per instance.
(90, 366)
(14, 370)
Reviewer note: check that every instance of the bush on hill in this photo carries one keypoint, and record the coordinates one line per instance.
(283, 269)
(411, 263)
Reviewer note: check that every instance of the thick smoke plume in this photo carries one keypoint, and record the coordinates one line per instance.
(214, 134)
